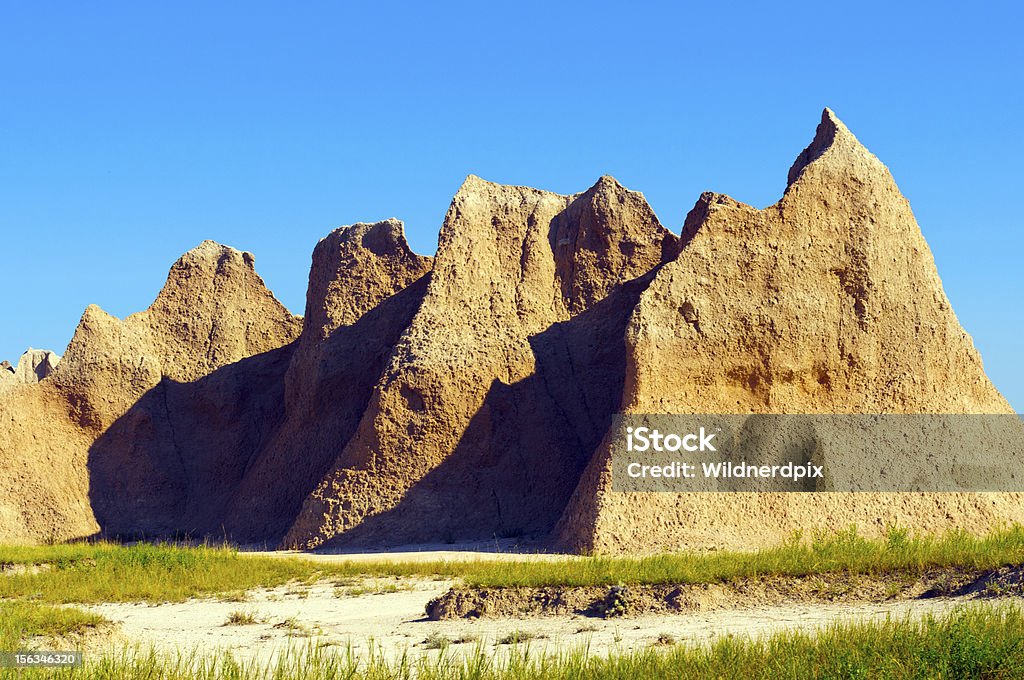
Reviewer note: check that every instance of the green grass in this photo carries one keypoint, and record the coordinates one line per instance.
(846, 551)
(104, 572)
(239, 617)
(978, 642)
(518, 637)
(22, 620)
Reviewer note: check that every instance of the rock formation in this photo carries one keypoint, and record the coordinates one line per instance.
(826, 302)
(7, 375)
(470, 395)
(365, 285)
(495, 372)
(35, 365)
(212, 312)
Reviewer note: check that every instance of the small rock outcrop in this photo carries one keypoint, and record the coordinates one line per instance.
(7, 375)
(35, 365)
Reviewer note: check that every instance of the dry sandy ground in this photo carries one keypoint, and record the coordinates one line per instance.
(501, 550)
(394, 622)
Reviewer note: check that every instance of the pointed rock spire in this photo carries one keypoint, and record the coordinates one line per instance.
(832, 137)
(354, 268)
(607, 235)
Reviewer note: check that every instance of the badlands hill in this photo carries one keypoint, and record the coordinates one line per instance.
(470, 395)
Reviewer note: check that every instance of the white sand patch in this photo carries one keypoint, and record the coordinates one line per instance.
(394, 622)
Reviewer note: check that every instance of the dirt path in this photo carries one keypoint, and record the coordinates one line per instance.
(394, 622)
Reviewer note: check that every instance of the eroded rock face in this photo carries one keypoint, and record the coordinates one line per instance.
(151, 470)
(365, 285)
(235, 452)
(354, 269)
(826, 302)
(35, 365)
(44, 482)
(470, 395)
(213, 311)
(503, 381)
(7, 378)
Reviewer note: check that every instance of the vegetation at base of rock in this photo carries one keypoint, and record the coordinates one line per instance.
(977, 642)
(105, 572)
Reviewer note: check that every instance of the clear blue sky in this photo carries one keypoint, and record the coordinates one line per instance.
(130, 132)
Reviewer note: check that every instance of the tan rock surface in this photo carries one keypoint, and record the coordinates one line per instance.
(469, 396)
(35, 365)
(364, 287)
(235, 452)
(57, 477)
(506, 377)
(213, 311)
(44, 482)
(7, 378)
(826, 302)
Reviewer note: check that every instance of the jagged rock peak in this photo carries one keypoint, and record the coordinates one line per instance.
(606, 236)
(211, 251)
(6, 366)
(384, 238)
(211, 267)
(354, 268)
(831, 136)
(708, 202)
(35, 365)
(476, 190)
(208, 272)
(213, 310)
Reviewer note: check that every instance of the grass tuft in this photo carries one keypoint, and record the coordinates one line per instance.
(239, 617)
(518, 637)
(437, 641)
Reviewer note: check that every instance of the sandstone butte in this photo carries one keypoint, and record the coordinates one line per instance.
(470, 395)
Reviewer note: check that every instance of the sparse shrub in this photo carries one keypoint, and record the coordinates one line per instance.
(293, 627)
(518, 637)
(234, 596)
(665, 639)
(616, 602)
(241, 618)
(437, 641)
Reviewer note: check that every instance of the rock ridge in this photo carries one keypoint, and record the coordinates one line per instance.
(470, 395)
